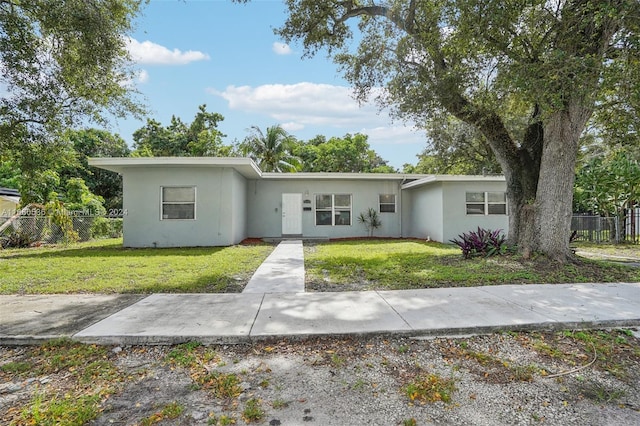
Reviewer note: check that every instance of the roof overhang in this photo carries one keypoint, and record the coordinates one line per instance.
(10, 198)
(402, 177)
(245, 166)
(249, 169)
(429, 180)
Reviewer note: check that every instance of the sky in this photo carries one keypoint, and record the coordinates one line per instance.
(226, 55)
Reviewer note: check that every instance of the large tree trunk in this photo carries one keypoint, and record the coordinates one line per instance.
(553, 206)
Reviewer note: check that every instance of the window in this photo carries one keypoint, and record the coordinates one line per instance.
(178, 202)
(333, 209)
(485, 203)
(387, 203)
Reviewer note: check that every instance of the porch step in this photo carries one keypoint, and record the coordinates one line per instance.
(281, 272)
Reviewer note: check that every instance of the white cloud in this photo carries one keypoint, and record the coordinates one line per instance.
(394, 134)
(292, 126)
(319, 109)
(137, 77)
(304, 103)
(143, 76)
(281, 48)
(147, 52)
(309, 109)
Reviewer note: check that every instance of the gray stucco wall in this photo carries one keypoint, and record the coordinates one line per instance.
(239, 207)
(217, 205)
(424, 212)
(264, 198)
(456, 219)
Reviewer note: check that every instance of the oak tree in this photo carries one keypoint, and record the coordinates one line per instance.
(475, 58)
(63, 63)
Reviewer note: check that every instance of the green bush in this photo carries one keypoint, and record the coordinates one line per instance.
(116, 227)
(103, 227)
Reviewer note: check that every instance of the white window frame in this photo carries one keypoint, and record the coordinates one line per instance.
(381, 203)
(163, 202)
(333, 209)
(486, 203)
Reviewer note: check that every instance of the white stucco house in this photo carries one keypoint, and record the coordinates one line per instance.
(9, 202)
(208, 201)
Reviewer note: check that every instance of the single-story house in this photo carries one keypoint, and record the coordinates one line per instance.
(9, 201)
(207, 201)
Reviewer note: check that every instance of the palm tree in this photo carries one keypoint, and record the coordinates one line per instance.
(271, 150)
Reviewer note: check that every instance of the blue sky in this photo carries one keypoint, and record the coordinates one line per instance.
(226, 56)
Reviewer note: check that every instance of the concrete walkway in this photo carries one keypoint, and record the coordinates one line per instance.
(268, 310)
(281, 272)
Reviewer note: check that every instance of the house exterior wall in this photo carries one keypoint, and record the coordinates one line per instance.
(234, 200)
(238, 214)
(454, 209)
(219, 210)
(423, 212)
(264, 198)
(7, 207)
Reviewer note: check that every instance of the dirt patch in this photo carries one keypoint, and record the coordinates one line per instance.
(503, 378)
(252, 242)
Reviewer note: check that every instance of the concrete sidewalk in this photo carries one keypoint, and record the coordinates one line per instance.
(238, 318)
(274, 305)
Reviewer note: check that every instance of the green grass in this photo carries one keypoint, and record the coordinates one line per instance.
(253, 411)
(104, 266)
(407, 264)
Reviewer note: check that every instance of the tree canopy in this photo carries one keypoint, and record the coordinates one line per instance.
(62, 62)
(200, 138)
(349, 154)
(455, 147)
(97, 143)
(481, 61)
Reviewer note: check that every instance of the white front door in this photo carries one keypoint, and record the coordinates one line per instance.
(291, 214)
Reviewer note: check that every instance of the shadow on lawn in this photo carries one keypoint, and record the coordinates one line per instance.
(113, 250)
(211, 283)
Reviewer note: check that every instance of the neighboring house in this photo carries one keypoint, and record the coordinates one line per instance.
(9, 201)
(206, 201)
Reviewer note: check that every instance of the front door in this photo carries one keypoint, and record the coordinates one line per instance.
(291, 214)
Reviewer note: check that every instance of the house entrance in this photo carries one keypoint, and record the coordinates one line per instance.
(291, 214)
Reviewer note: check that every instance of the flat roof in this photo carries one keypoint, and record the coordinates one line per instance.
(452, 178)
(336, 175)
(250, 170)
(9, 192)
(244, 166)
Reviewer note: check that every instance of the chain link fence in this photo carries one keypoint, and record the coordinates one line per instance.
(31, 226)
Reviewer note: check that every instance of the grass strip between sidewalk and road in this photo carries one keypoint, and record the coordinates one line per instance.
(104, 266)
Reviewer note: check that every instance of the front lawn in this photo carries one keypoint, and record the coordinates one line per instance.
(104, 266)
(408, 264)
